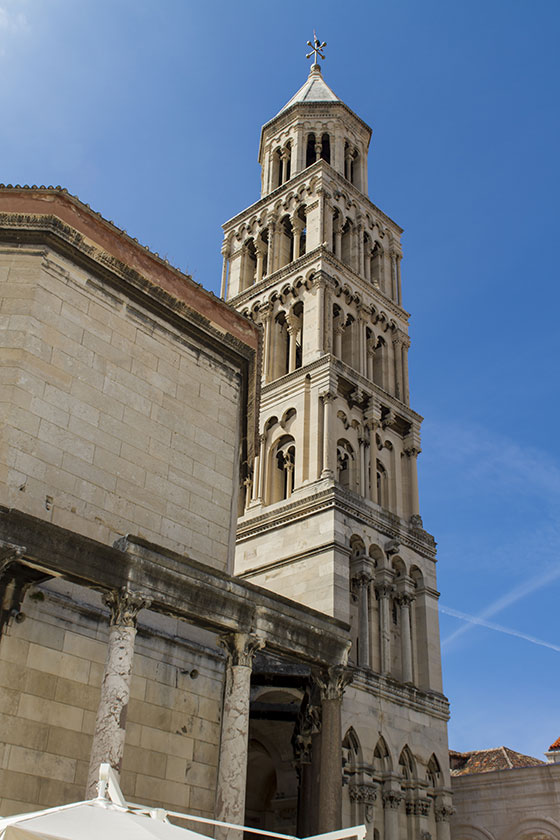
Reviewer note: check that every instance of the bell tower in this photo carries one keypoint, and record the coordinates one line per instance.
(330, 514)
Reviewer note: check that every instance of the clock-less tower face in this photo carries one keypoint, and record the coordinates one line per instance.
(329, 512)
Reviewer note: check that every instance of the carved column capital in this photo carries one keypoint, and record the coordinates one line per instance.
(241, 647)
(392, 799)
(444, 813)
(125, 606)
(328, 396)
(384, 590)
(332, 681)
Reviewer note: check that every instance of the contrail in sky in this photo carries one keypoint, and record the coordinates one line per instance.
(521, 591)
(472, 619)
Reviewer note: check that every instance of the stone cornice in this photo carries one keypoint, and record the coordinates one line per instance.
(177, 586)
(330, 498)
(320, 166)
(387, 689)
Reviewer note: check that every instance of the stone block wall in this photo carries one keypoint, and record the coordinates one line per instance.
(114, 421)
(51, 667)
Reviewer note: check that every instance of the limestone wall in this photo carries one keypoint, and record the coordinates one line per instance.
(114, 421)
(51, 666)
(518, 804)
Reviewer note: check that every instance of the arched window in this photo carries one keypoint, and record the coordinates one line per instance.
(249, 264)
(285, 242)
(345, 462)
(381, 759)
(433, 772)
(406, 765)
(346, 245)
(283, 469)
(310, 155)
(326, 147)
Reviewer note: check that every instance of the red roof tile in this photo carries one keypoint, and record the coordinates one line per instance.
(555, 745)
(485, 761)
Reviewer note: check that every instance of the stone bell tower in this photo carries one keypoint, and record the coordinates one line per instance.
(330, 513)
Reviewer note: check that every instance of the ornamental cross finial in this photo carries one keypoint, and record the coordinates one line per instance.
(316, 48)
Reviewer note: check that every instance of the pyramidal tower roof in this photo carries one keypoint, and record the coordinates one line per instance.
(315, 89)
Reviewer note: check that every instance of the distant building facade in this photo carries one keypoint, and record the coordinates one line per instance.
(500, 794)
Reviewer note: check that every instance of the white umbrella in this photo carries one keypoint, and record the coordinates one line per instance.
(111, 818)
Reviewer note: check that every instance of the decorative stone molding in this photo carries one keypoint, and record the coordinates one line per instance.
(365, 794)
(392, 799)
(125, 606)
(241, 647)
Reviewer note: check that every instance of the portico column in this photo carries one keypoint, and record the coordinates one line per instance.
(232, 769)
(384, 591)
(392, 798)
(405, 600)
(110, 724)
(328, 399)
(331, 682)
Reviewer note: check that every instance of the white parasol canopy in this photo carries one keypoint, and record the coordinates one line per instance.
(111, 818)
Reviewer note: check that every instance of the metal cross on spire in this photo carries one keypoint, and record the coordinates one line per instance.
(316, 48)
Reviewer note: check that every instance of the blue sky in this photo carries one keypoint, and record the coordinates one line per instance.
(151, 112)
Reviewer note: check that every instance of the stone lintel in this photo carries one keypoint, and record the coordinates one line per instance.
(178, 586)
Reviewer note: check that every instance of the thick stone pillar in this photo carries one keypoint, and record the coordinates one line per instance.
(328, 399)
(110, 724)
(331, 683)
(384, 591)
(232, 770)
(392, 798)
(405, 600)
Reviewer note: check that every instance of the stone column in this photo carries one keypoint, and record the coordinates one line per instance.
(397, 355)
(293, 323)
(262, 466)
(327, 221)
(110, 724)
(331, 683)
(443, 811)
(412, 453)
(405, 346)
(405, 600)
(297, 227)
(362, 445)
(370, 357)
(266, 319)
(319, 284)
(318, 150)
(225, 268)
(399, 289)
(338, 331)
(361, 580)
(232, 770)
(384, 591)
(328, 399)
(272, 237)
(256, 470)
(338, 238)
(394, 291)
(360, 249)
(392, 798)
(260, 248)
(285, 157)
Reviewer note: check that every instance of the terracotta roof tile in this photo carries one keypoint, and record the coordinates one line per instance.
(486, 761)
(555, 745)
